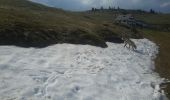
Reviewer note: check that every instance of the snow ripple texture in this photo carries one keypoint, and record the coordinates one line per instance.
(80, 72)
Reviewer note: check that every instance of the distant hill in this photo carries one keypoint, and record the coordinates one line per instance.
(158, 20)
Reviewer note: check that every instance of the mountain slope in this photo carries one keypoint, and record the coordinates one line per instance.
(25, 23)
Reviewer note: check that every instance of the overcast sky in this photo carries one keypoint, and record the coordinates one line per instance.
(79, 5)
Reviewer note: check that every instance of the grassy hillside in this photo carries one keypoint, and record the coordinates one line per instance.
(27, 24)
(162, 62)
(160, 22)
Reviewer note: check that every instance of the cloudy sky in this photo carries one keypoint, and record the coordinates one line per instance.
(79, 5)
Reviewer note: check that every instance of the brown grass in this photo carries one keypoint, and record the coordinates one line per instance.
(162, 39)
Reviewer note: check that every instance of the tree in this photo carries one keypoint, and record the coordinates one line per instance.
(152, 11)
(101, 8)
(118, 8)
(110, 8)
(93, 9)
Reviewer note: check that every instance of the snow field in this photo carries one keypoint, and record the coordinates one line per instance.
(80, 72)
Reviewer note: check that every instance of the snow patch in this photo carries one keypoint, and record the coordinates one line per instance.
(80, 72)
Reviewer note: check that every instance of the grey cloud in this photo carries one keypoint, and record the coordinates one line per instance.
(166, 4)
(78, 5)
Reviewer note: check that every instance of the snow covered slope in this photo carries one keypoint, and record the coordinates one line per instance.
(79, 72)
